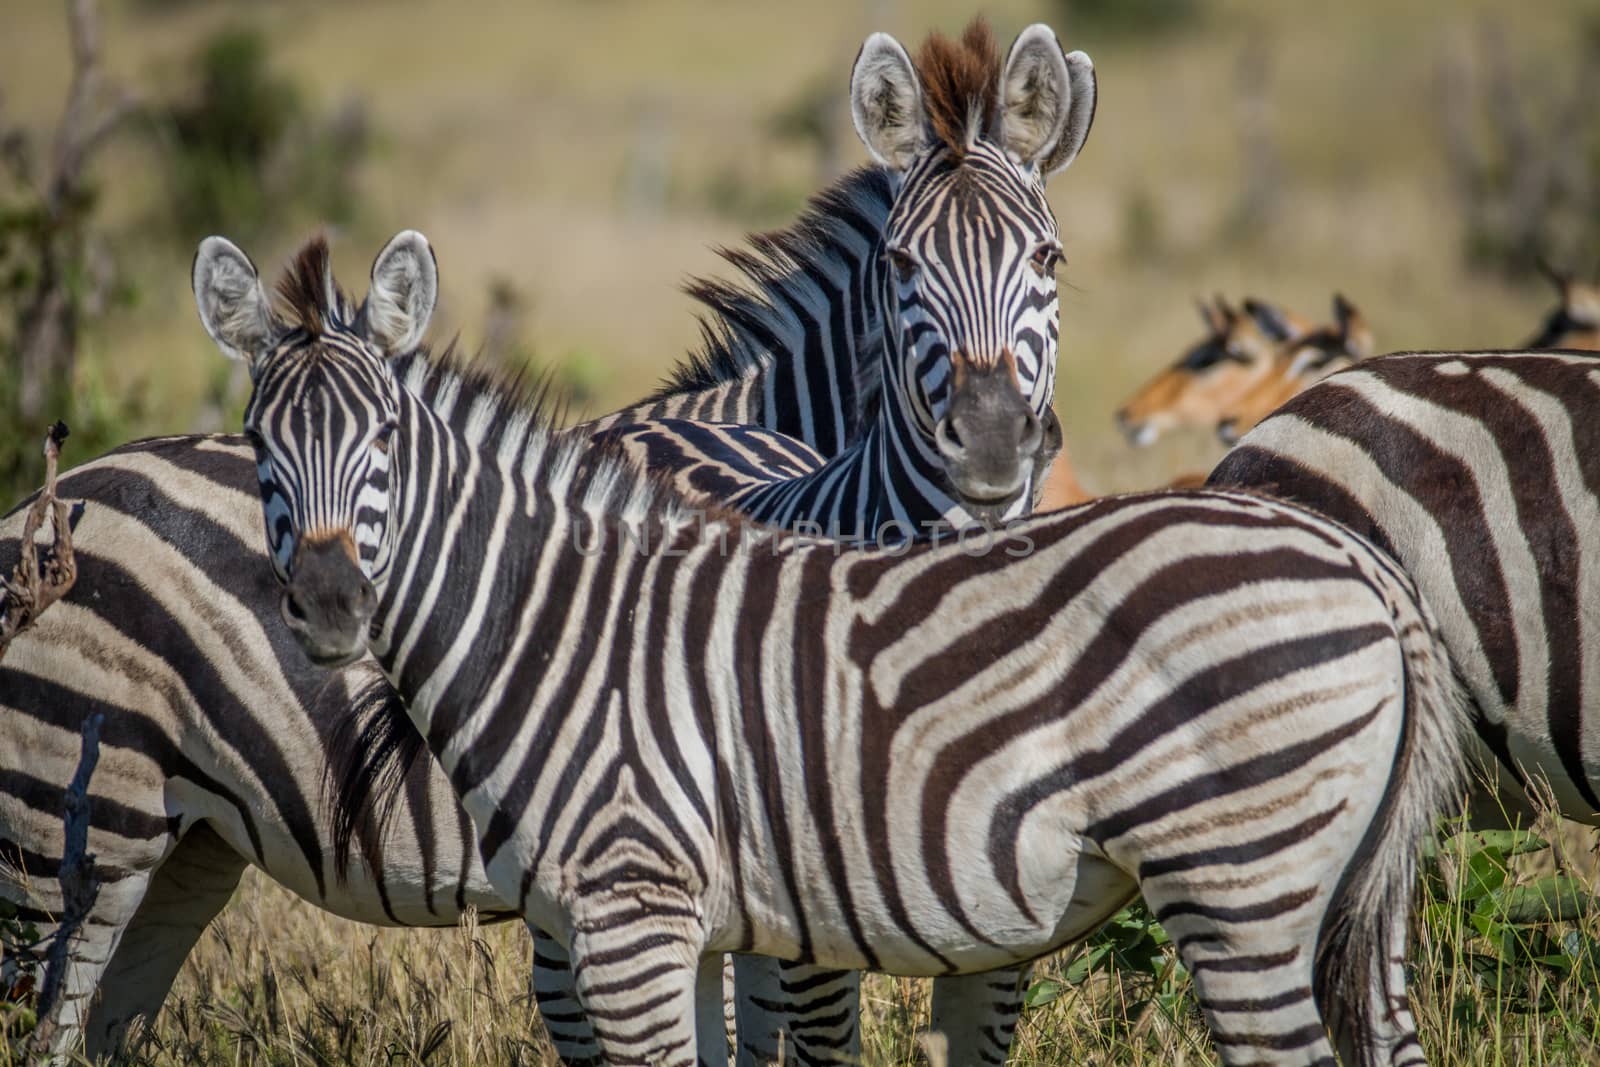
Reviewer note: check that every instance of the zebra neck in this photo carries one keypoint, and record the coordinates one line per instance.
(512, 562)
(888, 487)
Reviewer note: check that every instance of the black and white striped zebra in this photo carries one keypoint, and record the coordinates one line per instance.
(679, 735)
(1478, 471)
(219, 733)
(964, 286)
(186, 491)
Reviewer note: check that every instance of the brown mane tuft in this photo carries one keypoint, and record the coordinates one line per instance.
(307, 288)
(961, 84)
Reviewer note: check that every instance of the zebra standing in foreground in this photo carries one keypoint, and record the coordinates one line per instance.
(218, 733)
(242, 718)
(926, 762)
(1479, 472)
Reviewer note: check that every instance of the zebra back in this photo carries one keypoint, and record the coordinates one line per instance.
(1478, 472)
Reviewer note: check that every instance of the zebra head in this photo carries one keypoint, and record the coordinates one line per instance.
(321, 417)
(970, 245)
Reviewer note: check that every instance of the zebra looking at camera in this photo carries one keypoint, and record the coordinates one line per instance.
(966, 294)
(926, 762)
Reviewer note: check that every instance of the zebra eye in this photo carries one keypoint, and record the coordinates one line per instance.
(380, 442)
(1045, 259)
(905, 266)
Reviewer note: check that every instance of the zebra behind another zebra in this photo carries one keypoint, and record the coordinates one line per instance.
(930, 762)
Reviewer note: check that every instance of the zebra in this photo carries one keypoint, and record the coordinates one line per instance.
(806, 281)
(1476, 470)
(967, 302)
(964, 287)
(679, 734)
(219, 732)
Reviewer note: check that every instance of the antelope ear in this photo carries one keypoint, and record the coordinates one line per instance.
(1047, 101)
(1210, 316)
(886, 103)
(405, 288)
(234, 308)
(1272, 320)
(1353, 328)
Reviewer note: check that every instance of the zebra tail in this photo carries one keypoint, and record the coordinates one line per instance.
(1360, 978)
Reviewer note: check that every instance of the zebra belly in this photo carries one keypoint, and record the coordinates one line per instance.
(1069, 893)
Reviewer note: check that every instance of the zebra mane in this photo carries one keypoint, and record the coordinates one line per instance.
(519, 418)
(746, 324)
(961, 85)
(308, 291)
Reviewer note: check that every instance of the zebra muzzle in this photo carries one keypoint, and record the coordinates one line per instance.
(328, 603)
(989, 435)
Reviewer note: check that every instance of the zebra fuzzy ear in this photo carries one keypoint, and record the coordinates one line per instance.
(234, 307)
(405, 288)
(886, 103)
(1047, 101)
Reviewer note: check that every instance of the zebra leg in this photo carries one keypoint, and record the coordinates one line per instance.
(644, 981)
(758, 1010)
(563, 1016)
(1388, 1034)
(821, 1014)
(185, 893)
(89, 953)
(977, 1013)
(1252, 966)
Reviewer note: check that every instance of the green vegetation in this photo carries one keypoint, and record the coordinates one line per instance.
(245, 153)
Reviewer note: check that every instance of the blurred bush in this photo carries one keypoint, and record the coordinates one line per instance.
(1523, 149)
(244, 151)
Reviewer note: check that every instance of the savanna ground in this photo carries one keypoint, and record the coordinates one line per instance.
(572, 162)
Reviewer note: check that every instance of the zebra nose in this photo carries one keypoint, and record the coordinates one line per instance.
(950, 434)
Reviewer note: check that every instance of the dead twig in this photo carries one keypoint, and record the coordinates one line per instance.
(33, 585)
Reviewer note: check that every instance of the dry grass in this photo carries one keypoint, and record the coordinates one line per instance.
(275, 981)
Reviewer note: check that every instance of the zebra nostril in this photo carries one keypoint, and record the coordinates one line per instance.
(291, 609)
(948, 438)
(1031, 436)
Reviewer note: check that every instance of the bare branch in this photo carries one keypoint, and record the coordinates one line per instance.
(79, 888)
(33, 585)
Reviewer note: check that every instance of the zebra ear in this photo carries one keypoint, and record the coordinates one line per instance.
(234, 307)
(1047, 101)
(886, 103)
(405, 288)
